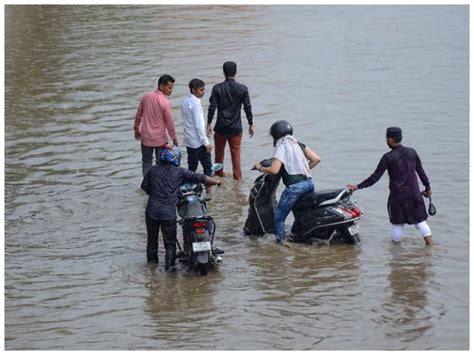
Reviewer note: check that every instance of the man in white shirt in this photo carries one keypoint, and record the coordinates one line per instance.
(195, 138)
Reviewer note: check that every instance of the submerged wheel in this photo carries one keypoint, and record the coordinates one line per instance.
(203, 268)
(356, 238)
(348, 238)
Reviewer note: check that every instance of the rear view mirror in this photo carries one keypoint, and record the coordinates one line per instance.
(217, 167)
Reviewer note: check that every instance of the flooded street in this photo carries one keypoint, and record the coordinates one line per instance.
(76, 276)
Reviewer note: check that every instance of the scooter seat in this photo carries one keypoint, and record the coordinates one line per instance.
(312, 199)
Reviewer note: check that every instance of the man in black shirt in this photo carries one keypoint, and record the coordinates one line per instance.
(228, 97)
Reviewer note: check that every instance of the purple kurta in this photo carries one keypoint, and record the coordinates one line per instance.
(405, 202)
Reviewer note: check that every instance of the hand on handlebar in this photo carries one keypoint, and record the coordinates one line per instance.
(213, 181)
(266, 163)
(257, 167)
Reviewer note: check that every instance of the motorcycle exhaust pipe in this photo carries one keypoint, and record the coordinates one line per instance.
(218, 260)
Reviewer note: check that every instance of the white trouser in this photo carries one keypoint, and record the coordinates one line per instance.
(422, 227)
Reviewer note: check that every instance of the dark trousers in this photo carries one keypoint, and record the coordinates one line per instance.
(234, 145)
(168, 230)
(147, 157)
(199, 155)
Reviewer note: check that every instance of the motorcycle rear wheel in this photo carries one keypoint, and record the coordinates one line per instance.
(203, 268)
(348, 238)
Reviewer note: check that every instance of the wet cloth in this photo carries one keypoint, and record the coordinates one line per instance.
(199, 155)
(162, 183)
(288, 199)
(422, 227)
(405, 202)
(154, 120)
(290, 153)
(235, 143)
(168, 231)
(228, 97)
(292, 179)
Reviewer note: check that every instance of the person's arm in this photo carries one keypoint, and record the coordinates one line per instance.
(313, 158)
(198, 122)
(423, 177)
(212, 108)
(372, 179)
(248, 111)
(138, 121)
(197, 178)
(169, 123)
(213, 181)
(273, 169)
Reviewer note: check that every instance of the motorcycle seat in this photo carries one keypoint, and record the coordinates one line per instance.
(312, 199)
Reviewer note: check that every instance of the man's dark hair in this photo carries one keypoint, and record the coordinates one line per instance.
(230, 69)
(165, 79)
(195, 84)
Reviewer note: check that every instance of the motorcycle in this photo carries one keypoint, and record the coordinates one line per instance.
(328, 216)
(199, 229)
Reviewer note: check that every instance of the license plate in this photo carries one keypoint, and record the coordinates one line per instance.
(201, 246)
(354, 229)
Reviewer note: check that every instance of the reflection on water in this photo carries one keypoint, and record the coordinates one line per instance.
(406, 310)
(181, 307)
(75, 272)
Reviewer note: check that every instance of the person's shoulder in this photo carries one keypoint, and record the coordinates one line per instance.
(405, 149)
(181, 170)
(411, 151)
(155, 169)
(169, 170)
(243, 86)
(279, 149)
(148, 94)
(388, 154)
(188, 100)
(194, 101)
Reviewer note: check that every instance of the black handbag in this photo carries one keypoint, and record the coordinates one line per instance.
(431, 208)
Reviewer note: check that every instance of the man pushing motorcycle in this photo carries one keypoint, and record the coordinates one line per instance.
(162, 183)
(405, 202)
(293, 160)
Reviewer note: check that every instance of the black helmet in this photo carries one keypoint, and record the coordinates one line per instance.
(280, 129)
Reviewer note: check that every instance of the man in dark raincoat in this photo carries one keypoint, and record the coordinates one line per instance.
(405, 202)
(162, 183)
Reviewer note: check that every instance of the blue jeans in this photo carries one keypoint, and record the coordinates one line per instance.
(196, 155)
(290, 196)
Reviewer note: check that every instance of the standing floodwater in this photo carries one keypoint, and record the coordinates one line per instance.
(75, 236)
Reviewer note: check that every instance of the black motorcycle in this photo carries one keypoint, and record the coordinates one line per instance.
(327, 216)
(199, 229)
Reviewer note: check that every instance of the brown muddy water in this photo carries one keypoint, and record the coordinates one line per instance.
(75, 271)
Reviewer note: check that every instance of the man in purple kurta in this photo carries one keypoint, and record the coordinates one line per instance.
(405, 202)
